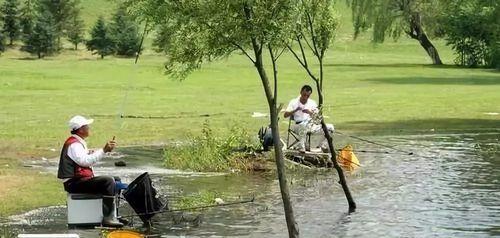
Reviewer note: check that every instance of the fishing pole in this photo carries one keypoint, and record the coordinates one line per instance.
(376, 143)
(193, 208)
(119, 117)
(373, 152)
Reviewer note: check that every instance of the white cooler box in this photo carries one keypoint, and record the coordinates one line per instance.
(84, 209)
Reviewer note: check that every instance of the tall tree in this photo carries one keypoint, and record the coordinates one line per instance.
(63, 12)
(43, 40)
(125, 33)
(395, 17)
(314, 34)
(201, 31)
(75, 31)
(2, 39)
(101, 42)
(10, 19)
(27, 18)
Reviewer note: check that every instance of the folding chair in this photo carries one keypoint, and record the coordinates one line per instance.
(296, 136)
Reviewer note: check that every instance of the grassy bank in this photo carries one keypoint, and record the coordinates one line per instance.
(23, 188)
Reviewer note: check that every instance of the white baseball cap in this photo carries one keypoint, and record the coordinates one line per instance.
(78, 121)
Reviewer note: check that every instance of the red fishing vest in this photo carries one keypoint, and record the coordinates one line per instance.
(69, 168)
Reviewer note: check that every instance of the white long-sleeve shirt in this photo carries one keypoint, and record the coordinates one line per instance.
(300, 116)
(79, 153)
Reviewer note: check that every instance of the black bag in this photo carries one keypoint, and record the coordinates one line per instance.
(142, 197)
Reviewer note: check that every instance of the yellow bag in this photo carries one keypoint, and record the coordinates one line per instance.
(124, 234)
(347, 159)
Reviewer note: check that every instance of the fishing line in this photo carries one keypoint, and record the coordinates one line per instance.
(121, 108)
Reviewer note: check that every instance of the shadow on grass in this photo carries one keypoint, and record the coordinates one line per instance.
(472, 80)
(27, 58)
(396, 65)
(424, 126)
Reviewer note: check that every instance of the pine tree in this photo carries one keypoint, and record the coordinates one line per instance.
(2, 46)
(27, 19)
(42, 41)
(62, 12)
(10, 19)
(75, 29)
(124, 31)
(101, 42)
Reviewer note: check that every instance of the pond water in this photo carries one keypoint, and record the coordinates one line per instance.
(449, 188)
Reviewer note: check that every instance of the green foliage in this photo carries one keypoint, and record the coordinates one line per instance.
(43, 40)
(391, 18)
(63, 12)
(473, 30)
(101, 42)
(75, 30)
(193, 32)
(315, 31)
(27, 18)
(124, 31)
(10, 18)
(210, 151)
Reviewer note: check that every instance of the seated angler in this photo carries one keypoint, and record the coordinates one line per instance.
(300, 110)
(75, 168)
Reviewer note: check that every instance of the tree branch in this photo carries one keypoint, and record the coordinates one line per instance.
(282, 50)
(303, 63)
(243, 51)
(313, 35)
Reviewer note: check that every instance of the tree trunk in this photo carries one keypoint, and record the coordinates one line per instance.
(417, 32)
(102, 56)
(39, 55)
(342, 180)
(329, 139)
(76, 46)
(293, 230)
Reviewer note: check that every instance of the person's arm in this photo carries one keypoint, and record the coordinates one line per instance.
(80, 155)
(287, 114)
(290, 110)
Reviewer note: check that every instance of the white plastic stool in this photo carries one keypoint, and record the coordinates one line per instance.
(48, 236)
(84, 209)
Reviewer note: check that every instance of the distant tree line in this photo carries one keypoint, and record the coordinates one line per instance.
(41, 25)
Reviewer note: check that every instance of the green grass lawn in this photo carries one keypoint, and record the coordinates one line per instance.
(384, 89)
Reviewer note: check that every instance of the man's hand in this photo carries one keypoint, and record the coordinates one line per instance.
(110, 145)
(310, 112)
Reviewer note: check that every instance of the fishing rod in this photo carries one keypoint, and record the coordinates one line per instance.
(121, 109)
(193, 208)
(376, 143)
(372, 151)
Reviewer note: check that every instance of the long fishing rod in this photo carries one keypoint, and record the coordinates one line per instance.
(193, 208)
(376, 143)
(119, 117)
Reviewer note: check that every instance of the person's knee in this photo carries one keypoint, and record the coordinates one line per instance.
(108, 185)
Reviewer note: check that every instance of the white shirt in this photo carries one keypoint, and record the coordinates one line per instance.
(79, 153)
(300, 116)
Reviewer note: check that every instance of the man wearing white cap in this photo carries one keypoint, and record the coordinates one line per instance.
(75, 167)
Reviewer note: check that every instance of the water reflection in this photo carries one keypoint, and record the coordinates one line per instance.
(451, 189)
